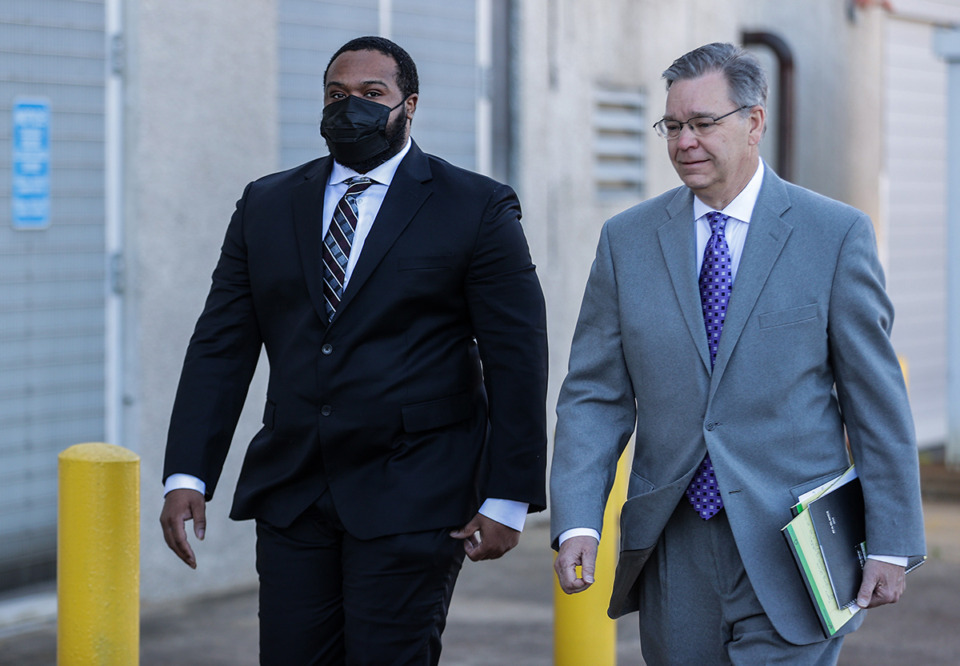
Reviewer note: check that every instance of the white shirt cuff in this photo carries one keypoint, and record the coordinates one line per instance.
(890, 559)
(511, 513)
(578, 531)
(179, 481)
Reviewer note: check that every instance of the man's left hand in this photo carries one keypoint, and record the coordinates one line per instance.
(486, 539)
(883, 583)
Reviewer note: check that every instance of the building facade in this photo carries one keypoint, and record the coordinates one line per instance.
(134, 126)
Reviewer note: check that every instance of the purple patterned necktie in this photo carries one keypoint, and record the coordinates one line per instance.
(338, 241)
(716, 284)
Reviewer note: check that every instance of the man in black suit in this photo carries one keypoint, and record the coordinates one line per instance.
(405, 414)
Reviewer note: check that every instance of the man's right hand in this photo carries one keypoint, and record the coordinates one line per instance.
(179, 506)
(576, 551)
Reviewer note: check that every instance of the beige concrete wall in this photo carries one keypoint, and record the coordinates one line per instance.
(838, 65)
(201, 122)
(565, 47)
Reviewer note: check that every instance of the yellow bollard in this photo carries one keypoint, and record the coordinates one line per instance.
(98, 556)
(582, 632)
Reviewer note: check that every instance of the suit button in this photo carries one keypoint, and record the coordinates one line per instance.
(326, 350)
(326, 410)
(711, 426)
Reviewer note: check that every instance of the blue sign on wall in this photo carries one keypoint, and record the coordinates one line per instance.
(31, 164)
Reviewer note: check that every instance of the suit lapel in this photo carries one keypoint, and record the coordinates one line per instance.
(404, 198)
(308, 225)
(678, 245)
(766, 237)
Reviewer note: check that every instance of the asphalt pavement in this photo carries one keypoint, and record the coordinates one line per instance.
(502, 613)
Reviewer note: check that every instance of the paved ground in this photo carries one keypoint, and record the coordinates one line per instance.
(502, 615)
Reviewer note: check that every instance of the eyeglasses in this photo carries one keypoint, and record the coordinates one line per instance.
(701, 126)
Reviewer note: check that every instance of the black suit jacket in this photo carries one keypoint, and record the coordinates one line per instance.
(424, 394)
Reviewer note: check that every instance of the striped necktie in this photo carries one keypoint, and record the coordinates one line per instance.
(716, 285)
(338, 241)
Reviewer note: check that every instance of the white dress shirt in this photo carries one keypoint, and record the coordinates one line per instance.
(368, 202)
(511, 513)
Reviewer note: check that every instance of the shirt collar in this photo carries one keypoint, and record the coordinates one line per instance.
(382, 174)
(741, 208)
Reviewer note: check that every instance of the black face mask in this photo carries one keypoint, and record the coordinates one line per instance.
(356, 129)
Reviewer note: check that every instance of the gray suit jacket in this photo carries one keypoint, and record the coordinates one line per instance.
(805, 353)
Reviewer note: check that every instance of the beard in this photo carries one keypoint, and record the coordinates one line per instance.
(396, 140)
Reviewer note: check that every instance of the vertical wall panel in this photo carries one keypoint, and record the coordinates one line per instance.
(915, 114)
(441, 38)
(51, 280)
(310, 32)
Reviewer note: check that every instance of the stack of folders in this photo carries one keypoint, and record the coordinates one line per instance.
(827, 539)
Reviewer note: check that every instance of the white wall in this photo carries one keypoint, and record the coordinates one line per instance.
(915, 165)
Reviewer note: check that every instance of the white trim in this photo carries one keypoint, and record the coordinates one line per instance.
(113, 232)
(484, 136)
(947, 46)
(385, 8)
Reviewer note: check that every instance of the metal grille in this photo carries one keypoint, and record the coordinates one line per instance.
(618, 141)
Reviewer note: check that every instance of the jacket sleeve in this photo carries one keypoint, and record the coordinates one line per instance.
(508, 315)
(873, 398)
(219, 365)
(596, 412)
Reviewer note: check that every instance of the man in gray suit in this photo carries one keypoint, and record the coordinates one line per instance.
(738, 325)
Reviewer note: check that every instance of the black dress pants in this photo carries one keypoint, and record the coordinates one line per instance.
(329, 598)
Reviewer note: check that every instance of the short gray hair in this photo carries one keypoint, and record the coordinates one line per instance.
(745, 77)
